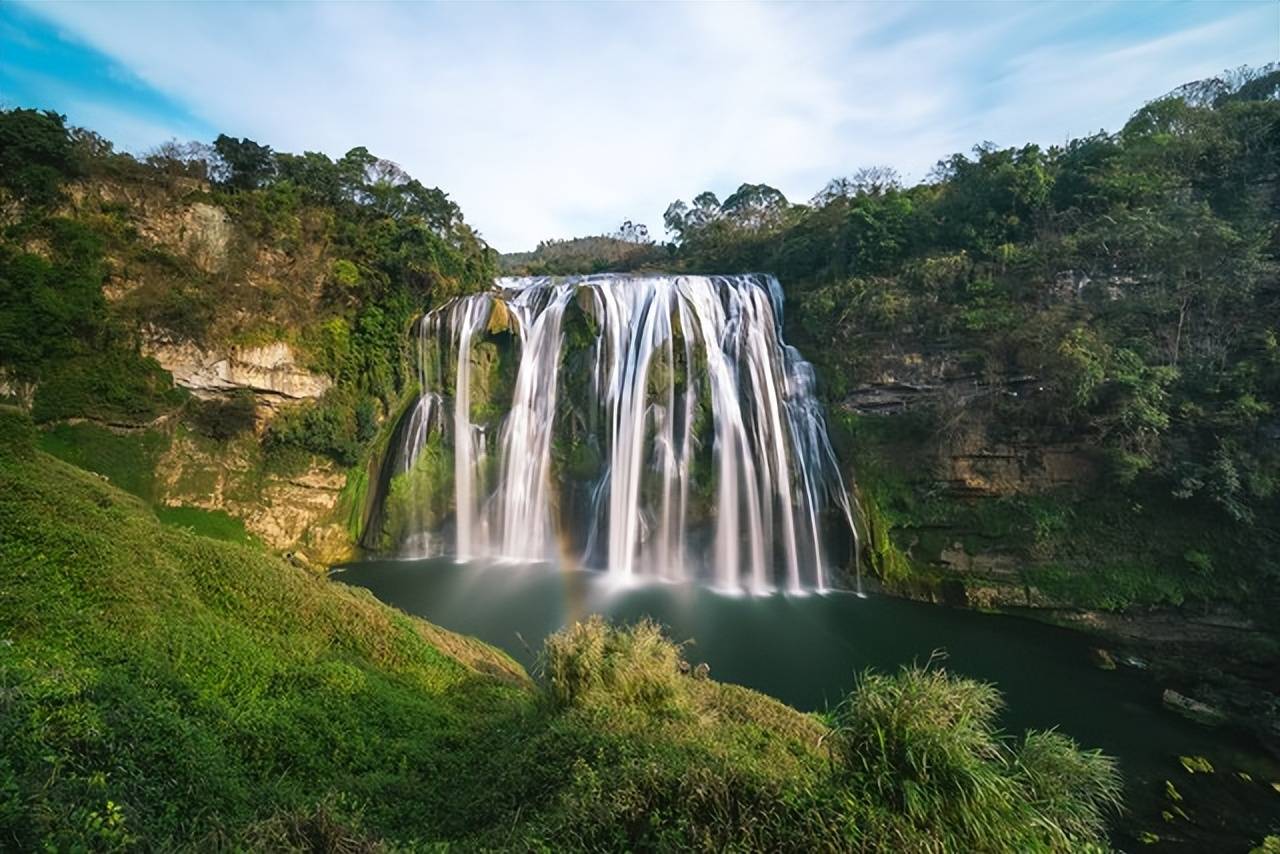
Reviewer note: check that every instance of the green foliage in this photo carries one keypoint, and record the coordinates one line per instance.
(1110, 586)
(223, 418)
(17, 433)
(884, 556)
(271, 214)
(581, 255)
(925, 745)
(328, 427)
(49, 310)
(421, 498)
(385, 246)
(127, 459)
(589, 662)
(345, 274)
(214, 524)
(356, 502)
(117, 386)
(247, 165)
(148, 669)
(36, 155)
(1115, 293)
(54, 330)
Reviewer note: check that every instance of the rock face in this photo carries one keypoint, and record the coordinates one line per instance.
(285, 512)
(271, 370)
(201, 232)
(231, 283)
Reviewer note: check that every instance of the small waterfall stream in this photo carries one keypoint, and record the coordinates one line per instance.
(643, 425)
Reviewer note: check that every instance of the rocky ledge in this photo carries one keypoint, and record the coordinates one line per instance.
(270, 371)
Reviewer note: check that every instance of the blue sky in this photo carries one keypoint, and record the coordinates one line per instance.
(550, 120)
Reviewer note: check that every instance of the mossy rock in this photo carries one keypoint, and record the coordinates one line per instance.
(420, 499)
(501, 319)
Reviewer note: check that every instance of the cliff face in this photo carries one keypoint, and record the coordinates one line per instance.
(220, 304)
(962, 508)
(286, 511)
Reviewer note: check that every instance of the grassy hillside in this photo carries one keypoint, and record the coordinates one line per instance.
(162, 690)
(163, 687)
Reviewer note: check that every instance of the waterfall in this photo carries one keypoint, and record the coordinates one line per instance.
(642, 425)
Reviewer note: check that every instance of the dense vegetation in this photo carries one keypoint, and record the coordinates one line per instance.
(361, 246)
(157, 689)
(165, 691)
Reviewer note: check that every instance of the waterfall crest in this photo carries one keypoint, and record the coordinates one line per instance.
(642, 425)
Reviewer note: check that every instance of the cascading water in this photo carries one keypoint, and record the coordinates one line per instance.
(644, 425)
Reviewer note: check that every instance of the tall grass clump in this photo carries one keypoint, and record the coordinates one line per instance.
(923, 747)
(591, 663)
(1071, 790)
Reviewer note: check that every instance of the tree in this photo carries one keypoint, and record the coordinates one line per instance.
(318, 177)
(866, 181)
(682, 220)
(244, 164)
(755, 207)
(996, 198)
(633, 232)
(36, 154)
(183, 158)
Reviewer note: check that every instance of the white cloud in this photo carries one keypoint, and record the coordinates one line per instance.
(553, 120)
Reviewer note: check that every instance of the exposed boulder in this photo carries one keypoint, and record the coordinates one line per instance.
(1191, 708)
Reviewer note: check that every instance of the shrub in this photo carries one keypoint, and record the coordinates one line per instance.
(591, 663)
(1073, 790)
(325, 428)
(922, 735)
(923, 745)
(118, 385)
(224, 418)
(17, 433)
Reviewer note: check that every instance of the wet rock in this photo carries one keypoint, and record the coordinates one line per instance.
(1192, 709)
(1102, 659)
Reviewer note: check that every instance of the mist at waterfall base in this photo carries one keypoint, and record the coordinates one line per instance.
(645, 426)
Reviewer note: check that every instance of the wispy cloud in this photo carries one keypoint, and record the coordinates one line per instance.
(552, 120)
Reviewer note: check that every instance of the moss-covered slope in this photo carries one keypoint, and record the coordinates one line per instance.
(160, 686)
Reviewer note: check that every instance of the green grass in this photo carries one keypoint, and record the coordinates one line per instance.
(209, 523)
(126, 458)
(161, 690)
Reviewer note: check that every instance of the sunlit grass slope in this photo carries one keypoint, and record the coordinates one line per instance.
(160, 690)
